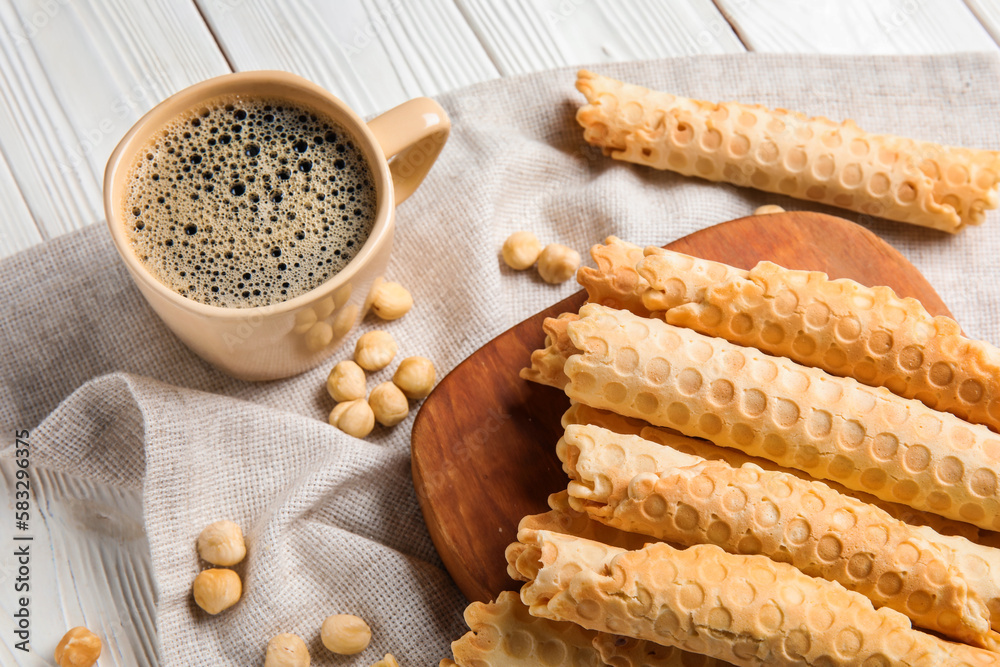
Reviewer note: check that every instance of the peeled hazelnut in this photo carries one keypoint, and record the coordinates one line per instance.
(557, 263)
(415, 377)
(319, 336)
(221, 543)
(78, 648)
(353, 417)
(346, 382)
(344, 320)
(521, 250)
(375, 350)
(345, 634)
(388, 404)
(388, 661)
(767, 209)
(286, 650)
(392, 301)
(217, 589)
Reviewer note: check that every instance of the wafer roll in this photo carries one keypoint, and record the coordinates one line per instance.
(850, 330)
(547, 363)
(615, 282)
(578, 413)
(814, 159)
(833, 428)
(681, 279)
(747, 610)
(503, 633)
(642, 487)
(674, 279)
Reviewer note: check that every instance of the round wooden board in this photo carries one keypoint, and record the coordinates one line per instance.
(484, 441)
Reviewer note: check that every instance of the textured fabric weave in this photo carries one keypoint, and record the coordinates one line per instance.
(333, 522)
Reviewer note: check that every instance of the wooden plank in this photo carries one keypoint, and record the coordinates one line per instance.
(373, 54)
(73, 79)
(526, 36)
(988, 13)
(857, 26)
(17, 227)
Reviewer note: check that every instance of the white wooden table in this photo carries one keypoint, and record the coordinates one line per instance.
(75, 74)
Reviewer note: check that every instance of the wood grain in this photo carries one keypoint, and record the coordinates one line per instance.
(483, 444)
(988, 13)
(524, 37)
(373, 54)
(857, 26)
(73, 79)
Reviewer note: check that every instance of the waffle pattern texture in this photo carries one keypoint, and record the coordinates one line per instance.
(846, 329)
(578, 413)
(746, 610)
(644, 487)
(833, 428)
(781, 151)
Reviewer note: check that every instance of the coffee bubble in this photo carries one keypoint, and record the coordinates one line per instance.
(249, 201)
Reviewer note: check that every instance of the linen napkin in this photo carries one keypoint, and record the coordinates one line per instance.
(332, 522)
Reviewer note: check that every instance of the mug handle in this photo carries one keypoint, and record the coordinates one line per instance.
(411, 136)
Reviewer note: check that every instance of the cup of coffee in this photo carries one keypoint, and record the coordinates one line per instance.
(255, 213)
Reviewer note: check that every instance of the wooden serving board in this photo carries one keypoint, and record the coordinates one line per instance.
(484, 440)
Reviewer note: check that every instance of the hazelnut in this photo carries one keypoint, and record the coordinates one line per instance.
(217, 589)
(346, 382)
(388, 404)
(344, 320)
(319, 336)
(415, 377)
(304, 320)
(391, 301)
(286, 650)
(324, 307)
(78, 648)
(521, 250)
(221, 543)
(345, 634)
(374, 350)
(388, 661)
(353, 417)
(557, 263)
(767, 209)
(341, 296)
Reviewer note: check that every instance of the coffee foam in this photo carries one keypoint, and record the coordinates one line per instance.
(247, 201)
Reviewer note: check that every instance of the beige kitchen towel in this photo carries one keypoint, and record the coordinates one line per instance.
(332, 522)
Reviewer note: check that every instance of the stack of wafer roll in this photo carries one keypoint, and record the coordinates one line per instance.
(746, 610)
(866, 438)
(643, 487)
(765, 467)
(780, 151)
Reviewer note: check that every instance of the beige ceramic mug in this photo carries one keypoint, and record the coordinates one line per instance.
(289, 337)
